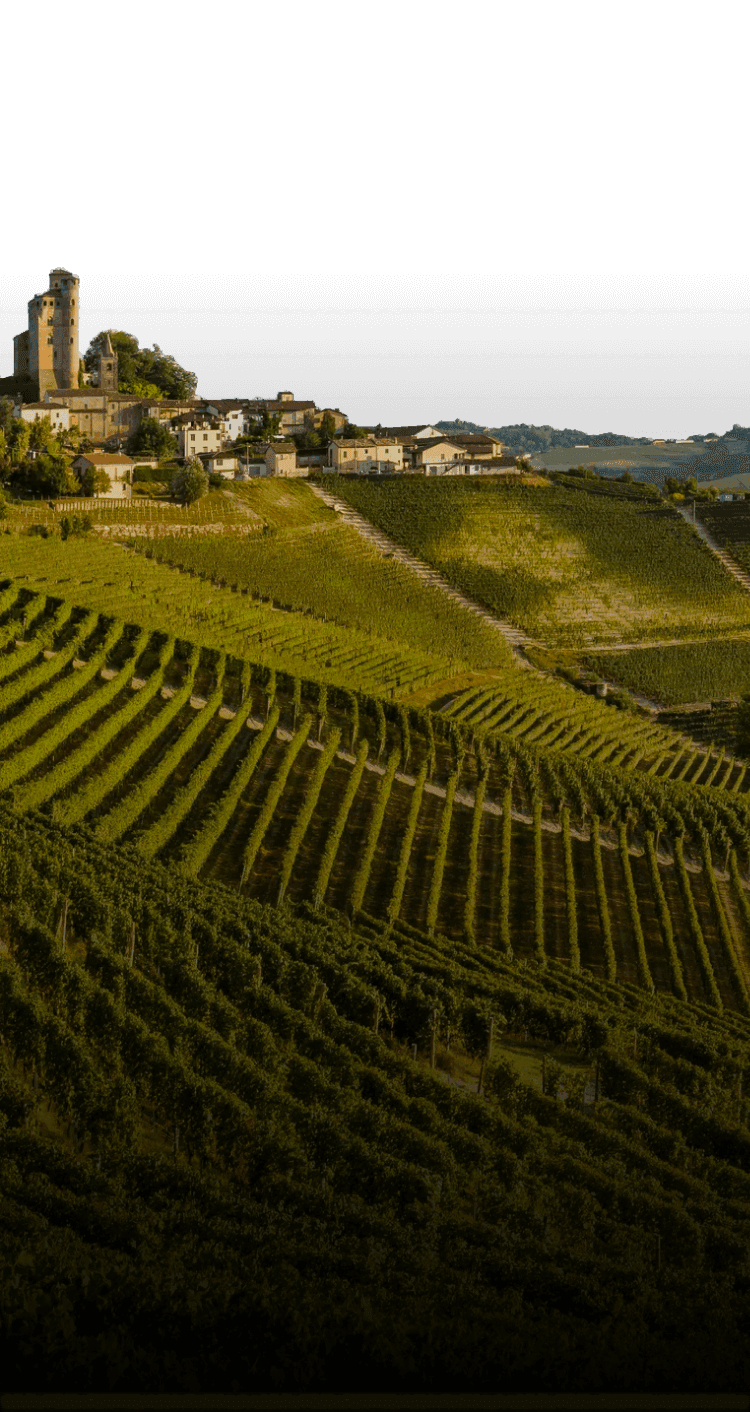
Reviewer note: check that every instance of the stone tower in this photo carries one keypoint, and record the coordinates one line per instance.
(107, 366)
(48, 350)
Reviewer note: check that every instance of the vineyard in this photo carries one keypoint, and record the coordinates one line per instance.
(241, 1143)
(706, 671)
(337, 1031)
(279, 787)
(336, 574)
(729, 523)
(130, 585)
(579, 566)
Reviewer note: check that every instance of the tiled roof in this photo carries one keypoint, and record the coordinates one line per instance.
(473, 438)
(271, 404)
(72, 393)
(428, 442)
(368, 441)
(105, 458)
(402, 431)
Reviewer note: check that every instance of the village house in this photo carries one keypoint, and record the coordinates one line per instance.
(99, 414)
(221, 463)
(372, 455)
(281, 460)
(479, 444)
(229, 413)
(196, 433)
(117, 467)
(56, 414)
(436, 453)
(285, 405)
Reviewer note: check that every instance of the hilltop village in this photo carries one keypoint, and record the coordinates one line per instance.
(232, 438)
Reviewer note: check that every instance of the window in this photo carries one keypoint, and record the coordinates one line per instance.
(49, 340)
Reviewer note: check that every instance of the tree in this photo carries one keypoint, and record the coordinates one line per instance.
(18, 439)
(94, 481)
(44, 476)
(146, 372)
(189, 483)
(151, 436)
(264, 426)
(40, 434)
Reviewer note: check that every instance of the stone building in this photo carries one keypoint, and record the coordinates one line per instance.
(47, 351)
(281, 459)
(55, 412)
(372, 455)
(98, 414)
(118, 468)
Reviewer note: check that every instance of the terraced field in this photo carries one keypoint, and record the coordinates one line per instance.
(128, 585)
(441, 822)
(551, 715)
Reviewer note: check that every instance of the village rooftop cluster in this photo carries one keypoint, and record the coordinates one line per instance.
(220, 432)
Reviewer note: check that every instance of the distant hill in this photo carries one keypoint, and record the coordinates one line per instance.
(538, 439)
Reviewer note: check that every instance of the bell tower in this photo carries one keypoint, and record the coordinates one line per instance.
(107, 366)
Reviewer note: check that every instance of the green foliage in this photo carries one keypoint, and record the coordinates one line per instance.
(441, 853)
(152, 437)
(376, 823)
(566, 564)
(334, 838)
(14, 387)
(146, 372)
(195, 852)
(274, 795)
(189, 483)
(47, 475)
(304, 816)
(93, 480)
(335, 574)
(76, 525)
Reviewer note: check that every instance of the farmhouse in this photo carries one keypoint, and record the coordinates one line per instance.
(118, 468)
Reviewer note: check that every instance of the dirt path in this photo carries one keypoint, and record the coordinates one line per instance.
(726, 559)
(515, 638)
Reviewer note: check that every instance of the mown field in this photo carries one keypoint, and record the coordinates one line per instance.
(571, 565)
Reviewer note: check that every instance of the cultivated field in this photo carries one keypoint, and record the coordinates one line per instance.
(442, 821)
(570, 565)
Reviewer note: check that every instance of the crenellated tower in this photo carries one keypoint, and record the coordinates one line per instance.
(48, 350)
